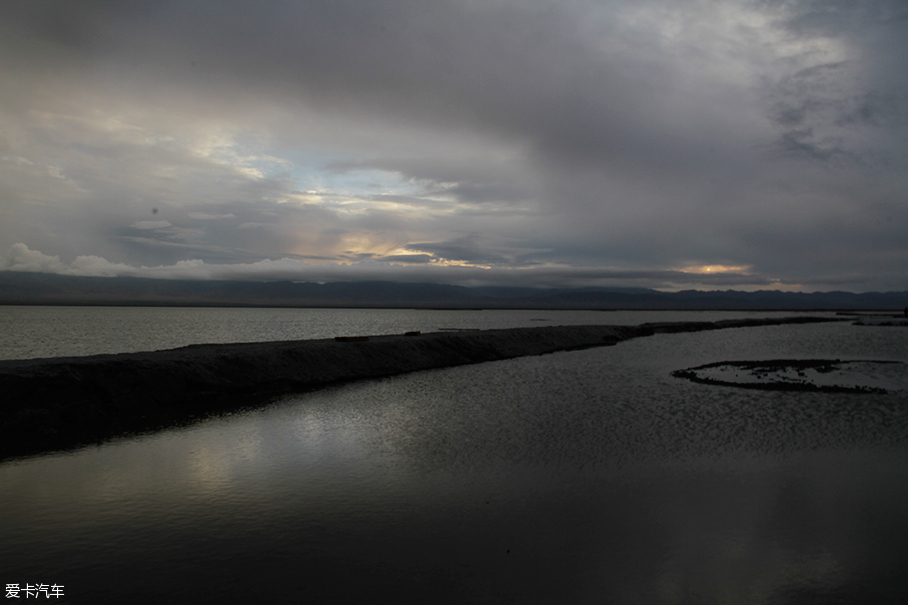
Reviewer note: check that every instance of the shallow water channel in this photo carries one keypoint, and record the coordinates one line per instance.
(582, 477)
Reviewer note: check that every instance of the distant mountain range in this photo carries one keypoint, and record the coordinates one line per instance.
(49, 289)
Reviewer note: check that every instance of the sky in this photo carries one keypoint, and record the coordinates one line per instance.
(736, 144)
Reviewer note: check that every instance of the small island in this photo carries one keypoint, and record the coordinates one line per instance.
(813, 375)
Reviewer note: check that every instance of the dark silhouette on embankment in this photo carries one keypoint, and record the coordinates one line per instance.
(64, 402)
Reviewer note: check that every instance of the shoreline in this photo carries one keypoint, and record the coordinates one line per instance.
(63, 403)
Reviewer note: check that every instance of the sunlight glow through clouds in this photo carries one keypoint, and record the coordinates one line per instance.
(715, 269)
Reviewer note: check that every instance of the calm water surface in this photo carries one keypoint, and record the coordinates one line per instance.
(31, 332)
(580, 477)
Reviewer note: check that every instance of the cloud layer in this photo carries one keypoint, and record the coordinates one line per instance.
(748, 143)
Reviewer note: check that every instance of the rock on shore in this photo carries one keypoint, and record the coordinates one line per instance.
(63, 402)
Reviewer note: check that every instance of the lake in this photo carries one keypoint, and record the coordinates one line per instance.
(33, 332)
(578, 477)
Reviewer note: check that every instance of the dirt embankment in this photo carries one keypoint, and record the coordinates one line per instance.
(63, 402)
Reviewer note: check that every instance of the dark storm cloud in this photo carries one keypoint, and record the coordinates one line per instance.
(599, 140)
(512, 67)
(838, 18)
(829, 110)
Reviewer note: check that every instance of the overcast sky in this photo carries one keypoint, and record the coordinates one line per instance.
(671, 144)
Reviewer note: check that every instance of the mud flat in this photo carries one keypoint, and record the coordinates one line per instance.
(59, 403)
(818, 375)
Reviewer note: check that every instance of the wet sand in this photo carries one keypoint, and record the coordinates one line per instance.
(60, 403)
(810, 375)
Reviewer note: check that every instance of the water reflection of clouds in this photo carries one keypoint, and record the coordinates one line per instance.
(212, 464)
